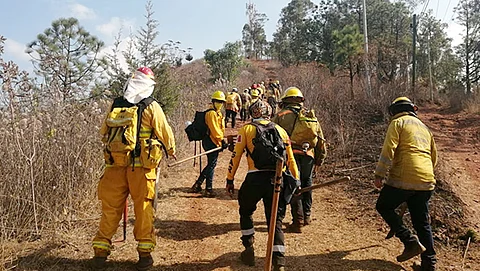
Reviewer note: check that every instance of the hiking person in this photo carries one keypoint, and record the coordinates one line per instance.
(134, 133)
(246, 99)
(409, 155)
(234, 104)
(255, 95)
(273, 96)
(216, 129)
(258, 183)
(309, 149)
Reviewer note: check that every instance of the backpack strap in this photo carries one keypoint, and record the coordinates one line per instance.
(144, 103)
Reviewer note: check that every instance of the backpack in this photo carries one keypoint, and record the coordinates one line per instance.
(231, 98)
(121, 129)
(198, 129)
(268, 146)
(305, 128)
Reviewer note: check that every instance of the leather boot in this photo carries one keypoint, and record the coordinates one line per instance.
(248, 256)
(278, 268)
(412, 249)
(145, 261)
(307, 221)
(196, 188)
(100, 259)
(295, 227)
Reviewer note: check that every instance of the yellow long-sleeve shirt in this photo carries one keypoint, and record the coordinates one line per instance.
(409, 154)
(216, 126)
(244, 141)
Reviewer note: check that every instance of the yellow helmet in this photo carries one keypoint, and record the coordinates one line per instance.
(401, 104)
(292, 92)
(277, 82)
(255, 93)
(219, 96)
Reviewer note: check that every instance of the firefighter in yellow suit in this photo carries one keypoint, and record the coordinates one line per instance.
(258, 185)
(136, 180)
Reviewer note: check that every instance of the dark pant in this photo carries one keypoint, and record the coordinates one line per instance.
(259, 186)
(390, 198)
(209, 169)
(233, 115)
(302, 205)
(243, 114)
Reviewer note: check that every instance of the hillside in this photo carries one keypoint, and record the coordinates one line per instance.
(196, 233)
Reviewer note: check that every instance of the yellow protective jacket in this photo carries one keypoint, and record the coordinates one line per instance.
(237, 102)
(286, 119)
(153, 123)
(216, 125)
(244, 140)
(409, 153)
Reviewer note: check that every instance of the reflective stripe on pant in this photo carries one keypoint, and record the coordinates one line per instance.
(113, 189)
(258, 186)
(302, 206)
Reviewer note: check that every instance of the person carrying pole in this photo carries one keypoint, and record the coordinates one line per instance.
(134, 133)
(409, 155)
(308, 146)
(265, 143)
(216, 130)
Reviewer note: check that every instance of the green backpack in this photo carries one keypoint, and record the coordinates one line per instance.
(305, 129)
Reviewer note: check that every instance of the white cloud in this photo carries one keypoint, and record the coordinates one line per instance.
(124, 43)
(112, 28)
(16, 50)
(455, 31)
(82, 12)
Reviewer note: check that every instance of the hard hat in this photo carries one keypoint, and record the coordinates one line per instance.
(254, 93)
(401, 104)
(260, 109)
(147, 71)
(219, 96)
(234, 89)
(246, 90)
(277, 82)
(292, 92)
(254, 86)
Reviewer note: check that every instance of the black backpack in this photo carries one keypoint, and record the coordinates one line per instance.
(268, 146)
(198, 129)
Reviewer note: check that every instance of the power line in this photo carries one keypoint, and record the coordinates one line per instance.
(436, 12)
(446, 10)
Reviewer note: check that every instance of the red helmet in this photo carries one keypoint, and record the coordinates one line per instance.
(147, 71)
(254, 86)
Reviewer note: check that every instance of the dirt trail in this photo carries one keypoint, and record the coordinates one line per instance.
(458, 140)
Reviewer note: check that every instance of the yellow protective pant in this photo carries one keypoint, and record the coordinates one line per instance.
(113, 189)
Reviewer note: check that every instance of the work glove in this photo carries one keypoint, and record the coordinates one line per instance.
(230, 187)
(378, 182)
(224, 145)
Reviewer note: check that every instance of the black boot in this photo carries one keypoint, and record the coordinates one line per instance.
(145, 261)
(248, 256)
(196, 188)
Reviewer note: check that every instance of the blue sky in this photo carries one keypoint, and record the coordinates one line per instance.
(200, 24)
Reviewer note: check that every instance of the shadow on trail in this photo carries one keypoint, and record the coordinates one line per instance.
(182, 230)
(185, 192)
(331, 261)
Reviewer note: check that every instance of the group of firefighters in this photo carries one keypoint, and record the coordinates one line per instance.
(406, 164)
(240, 102)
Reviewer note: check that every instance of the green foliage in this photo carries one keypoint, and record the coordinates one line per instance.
(290, 42)
(348, 46)
(166, 91)
(253, 33)
(226, 62)
(142, 50)
(434, 51)
(67, 57)
(468, 16)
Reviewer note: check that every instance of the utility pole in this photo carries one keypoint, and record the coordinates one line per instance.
(414, 55)
(365, 36)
